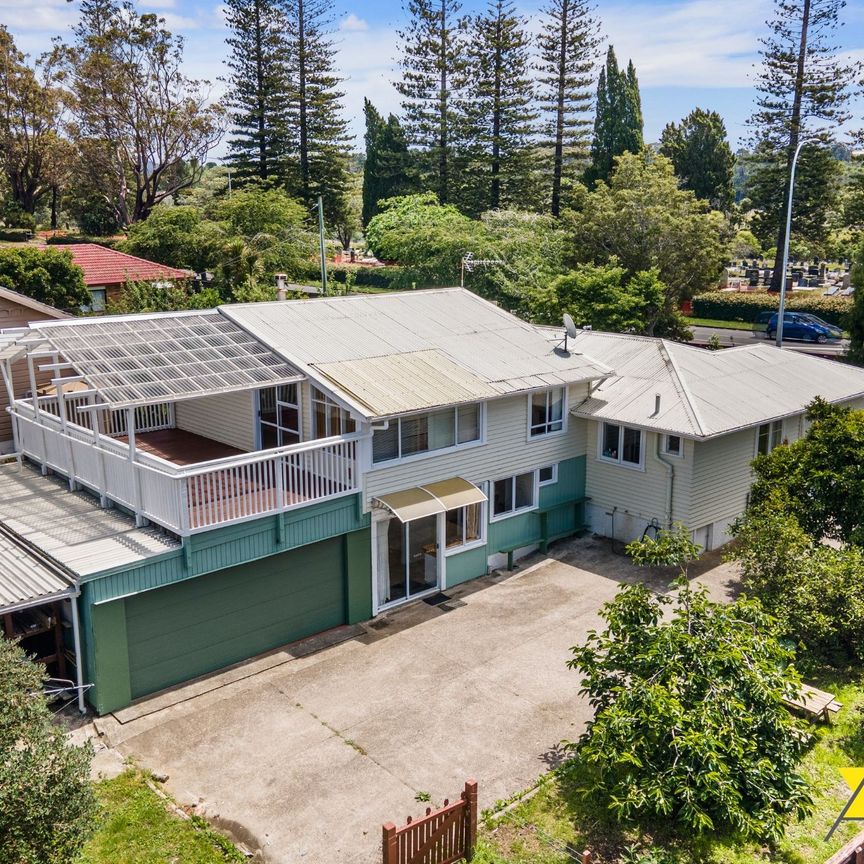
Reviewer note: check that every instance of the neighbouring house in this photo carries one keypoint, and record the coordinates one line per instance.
(106, 272)
(214, 484)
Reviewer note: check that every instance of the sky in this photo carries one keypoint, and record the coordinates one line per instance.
(687, 53)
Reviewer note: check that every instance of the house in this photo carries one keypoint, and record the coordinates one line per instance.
(106, 271)
(214, 484)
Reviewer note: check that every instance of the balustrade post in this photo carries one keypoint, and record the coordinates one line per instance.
(280, 467)
(36, 418)
(64, 428)
(389, 844)
(140, 519)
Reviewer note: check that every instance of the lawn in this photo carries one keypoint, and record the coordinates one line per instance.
(718, 324)
(136, 827)
(556, 821)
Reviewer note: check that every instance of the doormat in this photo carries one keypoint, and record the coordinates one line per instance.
(437, 600)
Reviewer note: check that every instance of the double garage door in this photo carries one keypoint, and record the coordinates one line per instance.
(202, 624)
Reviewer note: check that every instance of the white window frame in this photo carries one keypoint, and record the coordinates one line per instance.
(672, 453)
(553, 480)
(772, 426)
(259, 432)
(542, 436)
(429, 454)
(92, 305)
(474, 544)
(535, 495)
(328, 402)
(632, 466)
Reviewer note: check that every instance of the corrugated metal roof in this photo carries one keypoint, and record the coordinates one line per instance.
(489, 344)
(706, 393)
(70, 526)
(140, 359)
(26, 579)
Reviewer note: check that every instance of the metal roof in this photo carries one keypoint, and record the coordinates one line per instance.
(707, 393)
(70, 526)
(501, 353)
(140, 359)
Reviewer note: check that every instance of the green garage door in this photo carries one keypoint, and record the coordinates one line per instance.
(184, 630)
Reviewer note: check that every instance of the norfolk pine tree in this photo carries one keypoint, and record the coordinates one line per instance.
(804, 86)
(568, 44)
(258, 88)
(387, 170)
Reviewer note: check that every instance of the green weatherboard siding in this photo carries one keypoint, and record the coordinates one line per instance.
(466, 565)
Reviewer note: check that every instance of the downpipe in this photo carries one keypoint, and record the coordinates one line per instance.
(670, 477)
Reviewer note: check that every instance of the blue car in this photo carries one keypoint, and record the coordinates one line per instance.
(802, 325)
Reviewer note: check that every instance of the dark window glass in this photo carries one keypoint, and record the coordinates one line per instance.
(673, 445)
(414, 434)
(525, 490)
(631, 450)
(469, 423)
(611, 435)
(385, 443)
(502, 498)
(547, 474)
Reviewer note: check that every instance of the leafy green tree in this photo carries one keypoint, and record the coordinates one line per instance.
(499, 117)
(172, 236)
(617, 119)
(856, 319)
(602, 297)
(689, 723)
(568, 45)
(387, 170)
(46, 275)
(259, 85)
(433, 72)
(672, 547)
(700, 152)
(161, 297)
(647, 222)
(47, 806)
(804, 87)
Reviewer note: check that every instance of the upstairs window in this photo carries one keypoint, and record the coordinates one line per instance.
(547, 412)
(426, 433)
(769, 436)
(622, 445)
(279, 416)
(328, 418)
(673, 445)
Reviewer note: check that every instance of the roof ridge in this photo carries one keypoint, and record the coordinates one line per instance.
(688, 396)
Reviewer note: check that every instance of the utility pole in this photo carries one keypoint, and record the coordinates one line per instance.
(321, 244)
(781, 311)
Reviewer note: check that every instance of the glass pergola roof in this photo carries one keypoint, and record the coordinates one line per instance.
(137, 360)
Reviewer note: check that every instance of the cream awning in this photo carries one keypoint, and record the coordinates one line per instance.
(410, 504)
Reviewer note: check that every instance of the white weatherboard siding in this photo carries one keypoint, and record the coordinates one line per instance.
(507, 451)
(639, 495)
(722, 476)
(228, 418)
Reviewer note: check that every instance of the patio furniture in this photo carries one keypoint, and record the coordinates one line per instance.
(813, 702)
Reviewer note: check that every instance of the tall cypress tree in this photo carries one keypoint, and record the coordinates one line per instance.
(318, 140)
(387, 169)
(804, 87)
(433, 69)
(568, 51)
(499, 117)
(258, 88)
(617, 118)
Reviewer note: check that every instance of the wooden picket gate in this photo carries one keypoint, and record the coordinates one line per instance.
(442, 836)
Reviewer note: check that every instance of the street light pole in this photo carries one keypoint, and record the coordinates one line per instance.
(782, 309)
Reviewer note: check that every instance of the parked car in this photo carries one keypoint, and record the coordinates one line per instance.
(802, 325)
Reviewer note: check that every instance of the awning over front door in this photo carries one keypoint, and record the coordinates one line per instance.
(420, 501)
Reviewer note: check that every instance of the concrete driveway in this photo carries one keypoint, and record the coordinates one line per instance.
(304, 758)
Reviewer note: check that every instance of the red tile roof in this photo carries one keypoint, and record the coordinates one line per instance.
(103, 266)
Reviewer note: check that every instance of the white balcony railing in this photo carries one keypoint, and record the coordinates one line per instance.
(188, 499)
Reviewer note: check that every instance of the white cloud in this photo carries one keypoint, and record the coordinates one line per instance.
(157, 4)
(352, 24)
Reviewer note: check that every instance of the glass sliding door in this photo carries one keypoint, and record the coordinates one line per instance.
(422, 554)
(407, 558)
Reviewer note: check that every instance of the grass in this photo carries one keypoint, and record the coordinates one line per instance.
(720, 325)
(556, 823)
(136, 827)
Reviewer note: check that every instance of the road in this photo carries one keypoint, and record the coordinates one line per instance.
(728, 338)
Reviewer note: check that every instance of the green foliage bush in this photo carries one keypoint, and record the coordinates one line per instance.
(15, 235)
(72, 239)
(46, 275)
(741, 306)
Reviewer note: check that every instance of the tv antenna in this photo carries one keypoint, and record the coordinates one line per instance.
(469, 262)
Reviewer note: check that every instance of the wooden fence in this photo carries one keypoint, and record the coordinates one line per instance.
(442, 836)
(851, 853)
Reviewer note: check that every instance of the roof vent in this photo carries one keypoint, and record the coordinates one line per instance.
(280, 286)
(656, 405)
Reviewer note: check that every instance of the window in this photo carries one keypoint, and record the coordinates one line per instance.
(672, 445)
(548, 475)
(621, 444)
(547, 412)
(769, 436)
(463, 526)
(98, 299)
(279, 416)
(513, 494)
(426, 433)
(328, 418)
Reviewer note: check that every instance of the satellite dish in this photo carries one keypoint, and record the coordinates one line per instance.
(570, 327)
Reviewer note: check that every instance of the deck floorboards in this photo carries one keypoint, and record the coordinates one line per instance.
(181, 447)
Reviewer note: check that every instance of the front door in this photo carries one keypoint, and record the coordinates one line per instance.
(407, 559)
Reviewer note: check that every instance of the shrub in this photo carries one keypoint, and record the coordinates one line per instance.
(72, 239)
(741, 306)
(15, 235)
(46, 275)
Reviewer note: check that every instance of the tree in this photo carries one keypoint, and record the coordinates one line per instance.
(689, 723)
(161, 297)
(617, 119)
(47, 806)
(31, 150)
(568, 44)
(499, 117)
(146, 128)
(258, 88)
(646, 221)
(433, 71)
(173, 236)
(856, 319)
(387, 168)
(46, 275)
(804, 86)
(602, 297)
(317, 138)
(702, 157)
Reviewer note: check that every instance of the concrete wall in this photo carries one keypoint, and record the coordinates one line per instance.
(228, 417)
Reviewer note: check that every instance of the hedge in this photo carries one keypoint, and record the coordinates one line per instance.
(69, 239)
(15, 235)
(372, 277)
(735, 306)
